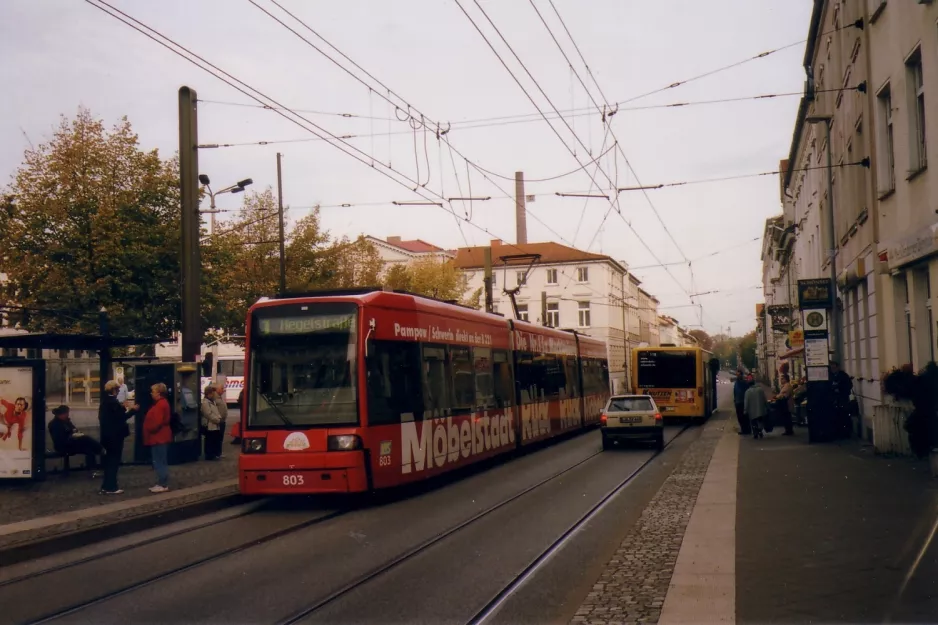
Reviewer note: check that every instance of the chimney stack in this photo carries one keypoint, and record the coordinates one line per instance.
(394, 240)
(521, 222)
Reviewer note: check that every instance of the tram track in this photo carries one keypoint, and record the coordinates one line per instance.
(172, 572)
(492, 605)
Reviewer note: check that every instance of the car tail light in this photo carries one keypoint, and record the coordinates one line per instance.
(657, 416)
(603, 418)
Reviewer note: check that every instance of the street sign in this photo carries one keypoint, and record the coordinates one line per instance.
(796, 339)
(815, 353)
(816, 293)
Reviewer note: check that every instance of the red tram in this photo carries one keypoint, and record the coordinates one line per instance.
(359, 390)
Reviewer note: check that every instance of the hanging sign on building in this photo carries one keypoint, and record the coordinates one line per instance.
(816, 293)
(796, 339)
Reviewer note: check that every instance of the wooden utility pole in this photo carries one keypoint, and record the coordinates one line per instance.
(283, 266)
(191, 264)
(543, 308)
(487, 280)
(521, 222)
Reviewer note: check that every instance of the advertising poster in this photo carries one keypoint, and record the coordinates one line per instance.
(16, 421)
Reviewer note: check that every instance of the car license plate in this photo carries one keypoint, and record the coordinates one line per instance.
(630, 419)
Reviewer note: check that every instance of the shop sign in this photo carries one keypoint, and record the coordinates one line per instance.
(923, 242)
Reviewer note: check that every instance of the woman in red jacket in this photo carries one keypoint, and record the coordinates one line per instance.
(157, 435)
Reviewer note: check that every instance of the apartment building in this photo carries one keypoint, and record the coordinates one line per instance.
(566, 288)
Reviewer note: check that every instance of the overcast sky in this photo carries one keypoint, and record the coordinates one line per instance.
(62, 54)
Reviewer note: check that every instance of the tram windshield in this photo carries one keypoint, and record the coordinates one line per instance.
(303, 367)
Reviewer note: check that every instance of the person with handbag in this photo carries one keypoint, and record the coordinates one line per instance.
(112, 417)
(211, 424)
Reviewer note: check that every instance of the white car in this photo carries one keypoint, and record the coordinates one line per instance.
(631, 417)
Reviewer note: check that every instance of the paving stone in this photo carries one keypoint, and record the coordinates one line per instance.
(633, 586)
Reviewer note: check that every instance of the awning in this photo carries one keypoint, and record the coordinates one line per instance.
(791, 353)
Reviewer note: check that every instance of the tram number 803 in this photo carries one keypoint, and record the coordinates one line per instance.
(293, 480)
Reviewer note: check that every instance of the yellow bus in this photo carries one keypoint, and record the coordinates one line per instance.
(679, 379)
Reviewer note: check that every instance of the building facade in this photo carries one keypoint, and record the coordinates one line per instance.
(870, 108)
(396, 251)
(566, 288)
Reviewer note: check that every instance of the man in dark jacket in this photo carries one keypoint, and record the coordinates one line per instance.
(739, 397)
(67, 439)
(841, 385)
(112, 417)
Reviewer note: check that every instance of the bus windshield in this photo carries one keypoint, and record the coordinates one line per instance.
(665, 369)
(303, 367)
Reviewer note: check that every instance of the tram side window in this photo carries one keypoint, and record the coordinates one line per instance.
(504, 397)
(589, 376)
(526, 377)
(464, 391)
(394, 391)
(436, 386)
(555, 380)
(570, 369)
(485, 382)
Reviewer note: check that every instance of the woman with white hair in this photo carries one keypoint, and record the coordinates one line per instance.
(112, 417)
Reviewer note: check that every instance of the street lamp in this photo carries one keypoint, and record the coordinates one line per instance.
(828, 121)
(238, 187)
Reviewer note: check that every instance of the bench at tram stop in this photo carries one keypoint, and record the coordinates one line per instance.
(91, 462)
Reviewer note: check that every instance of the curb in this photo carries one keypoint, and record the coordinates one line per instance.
(36, 543)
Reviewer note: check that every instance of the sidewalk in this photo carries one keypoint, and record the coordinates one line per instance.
(823, 533)
(63, 504)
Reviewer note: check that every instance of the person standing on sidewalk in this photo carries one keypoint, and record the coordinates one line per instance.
(841, 385)
(755, 407)
(222, 404)
(112, 417)
(211, 421)
(158, 434)
(783, 405)
(739, 398)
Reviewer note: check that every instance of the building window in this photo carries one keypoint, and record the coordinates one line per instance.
(494, 276)
(583, 274)
(584, 314)
(887, 159)
(551, 276)
(553, 313)
(523, 312)
(519, 277)
(913, 72)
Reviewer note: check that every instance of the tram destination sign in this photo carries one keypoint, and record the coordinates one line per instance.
(816, 293)
(308, 324)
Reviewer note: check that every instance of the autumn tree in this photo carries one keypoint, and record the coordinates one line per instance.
(703, 339)
(95, 223)
(430, 276)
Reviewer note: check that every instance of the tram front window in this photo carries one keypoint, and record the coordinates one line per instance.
(303, 370)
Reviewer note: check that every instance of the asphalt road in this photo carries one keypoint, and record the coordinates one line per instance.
(345, 554)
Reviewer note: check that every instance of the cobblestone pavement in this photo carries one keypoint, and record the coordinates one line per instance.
(633, 586)
(60, 493)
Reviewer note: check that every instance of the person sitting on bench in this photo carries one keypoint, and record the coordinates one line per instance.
(67, 439)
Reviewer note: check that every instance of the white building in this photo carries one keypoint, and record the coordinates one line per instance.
(577, 290)
(394, 250)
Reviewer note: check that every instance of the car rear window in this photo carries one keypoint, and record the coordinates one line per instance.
(630, 404)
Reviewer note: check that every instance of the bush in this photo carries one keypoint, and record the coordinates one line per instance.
(922, 390)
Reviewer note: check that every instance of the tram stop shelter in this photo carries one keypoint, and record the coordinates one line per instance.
(102, 344)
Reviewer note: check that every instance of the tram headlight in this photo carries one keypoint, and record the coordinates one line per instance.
(344, 442)
(254, 445)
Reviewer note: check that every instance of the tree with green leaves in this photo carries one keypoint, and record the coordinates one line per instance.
(703, 339)
(747, 349)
